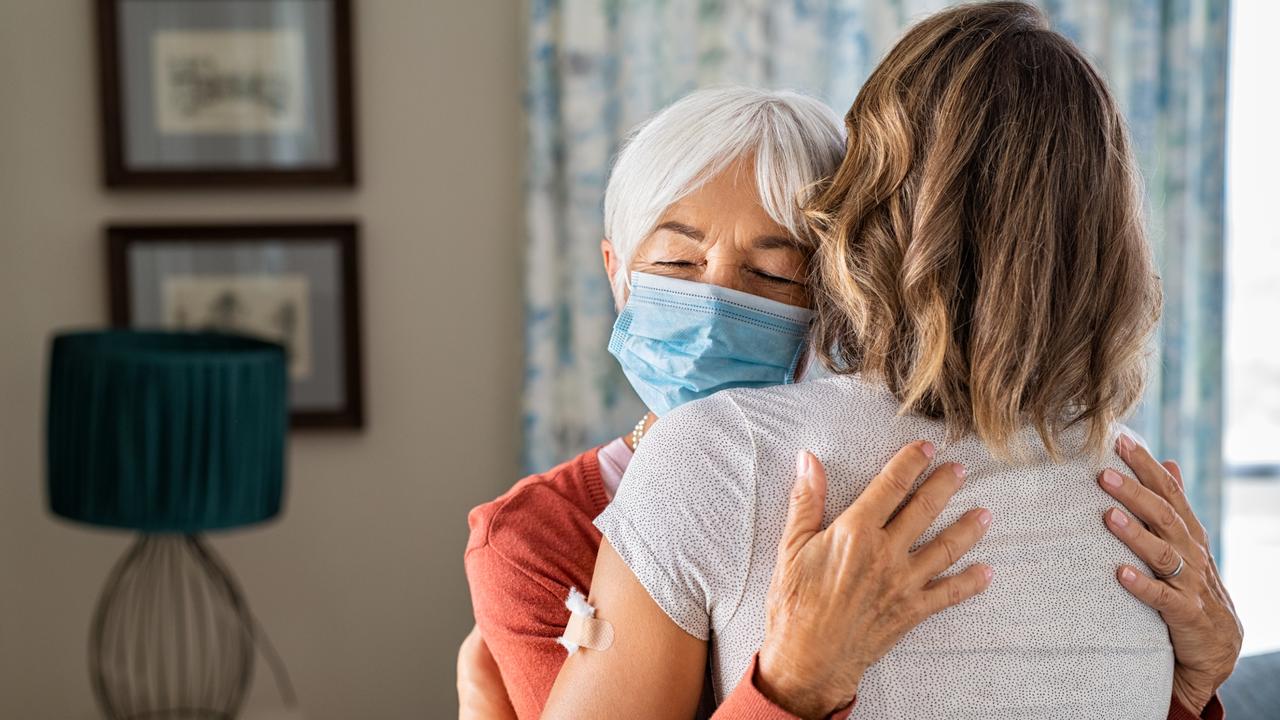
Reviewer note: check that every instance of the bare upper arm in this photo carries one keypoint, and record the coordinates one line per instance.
(653, 669)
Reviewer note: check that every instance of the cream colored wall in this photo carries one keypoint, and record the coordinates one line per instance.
(360, 583)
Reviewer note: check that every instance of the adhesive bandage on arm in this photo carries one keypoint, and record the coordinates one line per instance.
(584, 628)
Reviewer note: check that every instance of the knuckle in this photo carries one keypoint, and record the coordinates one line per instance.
(929, 504)
(1166, 559)
(1203, 557)
(896, 481)
(801, 494)
(949, 550)
(855, 534)
(1164, 517)
(842, 539)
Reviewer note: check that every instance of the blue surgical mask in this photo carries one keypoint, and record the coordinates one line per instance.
(679, 341)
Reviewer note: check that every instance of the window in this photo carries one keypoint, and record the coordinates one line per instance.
(1251, 530)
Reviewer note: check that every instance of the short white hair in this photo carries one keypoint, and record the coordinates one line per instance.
(797, 141)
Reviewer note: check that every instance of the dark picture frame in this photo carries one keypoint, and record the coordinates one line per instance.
(120, 170)
(127, 245)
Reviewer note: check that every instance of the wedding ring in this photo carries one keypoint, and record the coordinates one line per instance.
(1176, 571)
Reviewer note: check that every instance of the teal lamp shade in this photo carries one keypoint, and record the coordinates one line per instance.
(166, 432)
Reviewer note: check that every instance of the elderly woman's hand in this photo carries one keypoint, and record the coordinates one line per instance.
(481, 694)
(841, 597)
(1188, 592)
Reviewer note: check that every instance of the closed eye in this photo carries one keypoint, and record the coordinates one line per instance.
(774, 278)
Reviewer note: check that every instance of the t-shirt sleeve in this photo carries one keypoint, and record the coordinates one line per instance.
(683, 517)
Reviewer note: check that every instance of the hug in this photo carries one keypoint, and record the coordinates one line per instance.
(884, 472)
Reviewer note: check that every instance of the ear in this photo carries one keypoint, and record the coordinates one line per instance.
(611, 262)
(613, 266)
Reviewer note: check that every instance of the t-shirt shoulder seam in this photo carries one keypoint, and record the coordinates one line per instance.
(621, 521)
(751, 517)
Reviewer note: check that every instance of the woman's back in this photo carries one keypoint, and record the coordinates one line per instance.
(1053, 637)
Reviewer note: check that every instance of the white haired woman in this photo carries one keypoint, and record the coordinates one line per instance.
(702, 215)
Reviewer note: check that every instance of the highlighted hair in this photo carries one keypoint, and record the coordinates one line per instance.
(982, 244)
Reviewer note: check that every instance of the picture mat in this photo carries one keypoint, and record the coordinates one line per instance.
(319, 261)
(147, 147)
(228, 81)
(271, 307)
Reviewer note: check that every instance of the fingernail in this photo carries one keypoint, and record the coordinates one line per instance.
(1111, 478)
(1119, 518)
(1127, 575)
(927, 448)
(802, 464)
(987, 572)
(1124, 443)
(984, 517)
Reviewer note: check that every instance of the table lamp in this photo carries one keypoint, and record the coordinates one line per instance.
(171, 435)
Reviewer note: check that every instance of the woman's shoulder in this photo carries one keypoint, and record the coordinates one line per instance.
(540, 506)
(825, 402)
(735, 408)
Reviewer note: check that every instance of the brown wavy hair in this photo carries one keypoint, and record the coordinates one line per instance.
(982, 245)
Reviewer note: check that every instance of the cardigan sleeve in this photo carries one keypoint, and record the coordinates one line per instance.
(519, 619)
(746, 702)
(1212, 711)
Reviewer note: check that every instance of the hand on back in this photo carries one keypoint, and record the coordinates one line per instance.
(843, 596)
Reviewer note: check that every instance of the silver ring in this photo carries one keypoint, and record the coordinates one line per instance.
(1176, 571)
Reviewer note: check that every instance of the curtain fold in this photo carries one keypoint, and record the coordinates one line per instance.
(597, 67)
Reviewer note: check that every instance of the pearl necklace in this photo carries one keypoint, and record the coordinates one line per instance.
(638, 432)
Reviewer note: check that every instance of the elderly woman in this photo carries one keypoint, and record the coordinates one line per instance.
(985, 291)
(707, 252)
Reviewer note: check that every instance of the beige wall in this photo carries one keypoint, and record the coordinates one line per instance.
(360, 583)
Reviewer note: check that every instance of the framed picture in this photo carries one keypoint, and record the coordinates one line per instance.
(226, 92)
(297, 285)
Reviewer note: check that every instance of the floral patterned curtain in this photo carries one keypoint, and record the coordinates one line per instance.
(597, 67)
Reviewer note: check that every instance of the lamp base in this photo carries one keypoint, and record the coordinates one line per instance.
(172, 637)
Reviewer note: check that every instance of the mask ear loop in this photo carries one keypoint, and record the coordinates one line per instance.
(790, 378)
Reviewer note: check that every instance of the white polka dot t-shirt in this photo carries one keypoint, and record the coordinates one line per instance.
(700, 514)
